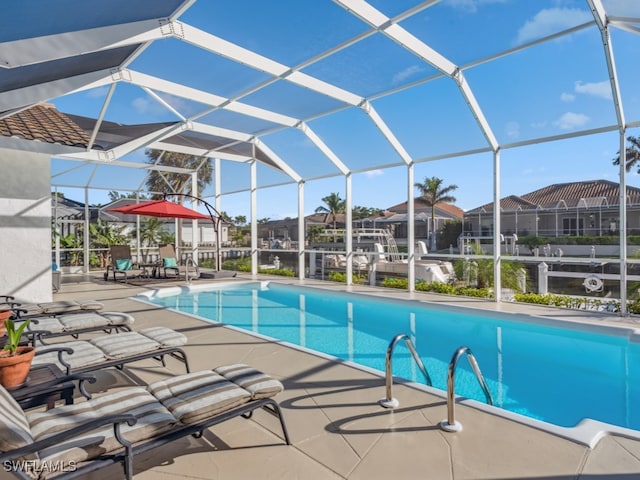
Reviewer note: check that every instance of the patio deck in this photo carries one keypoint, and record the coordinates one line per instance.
(337, 429)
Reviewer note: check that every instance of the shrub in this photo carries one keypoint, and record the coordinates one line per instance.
(392, 282)
(283, 272)
(238, 264)
(342, 278)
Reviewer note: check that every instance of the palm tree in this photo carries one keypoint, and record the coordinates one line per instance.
(632, 154)
(172, 182)
(150, 234)
(334, 206)
(103, 235)
(431, 194)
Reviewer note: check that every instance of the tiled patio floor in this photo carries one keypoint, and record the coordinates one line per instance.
(337, 429)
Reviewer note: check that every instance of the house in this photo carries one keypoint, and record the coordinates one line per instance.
(397, 222)
(590, 208)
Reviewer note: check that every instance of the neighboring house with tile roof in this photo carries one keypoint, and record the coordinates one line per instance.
(445, 212)
(394, 219)
(588, 208)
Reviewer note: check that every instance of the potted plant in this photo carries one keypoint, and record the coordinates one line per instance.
(15, 360)
(5, 313)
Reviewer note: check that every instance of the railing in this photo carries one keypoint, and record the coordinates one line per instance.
(189, 261)
(389, 401)
(450, 424)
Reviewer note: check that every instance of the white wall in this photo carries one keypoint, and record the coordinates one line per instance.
(25, 226)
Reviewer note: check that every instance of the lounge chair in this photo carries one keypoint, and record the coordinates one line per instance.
(114, 350)
(168, 262)
(49, 308)
(43, 328)
(117, 426)
(122, 264)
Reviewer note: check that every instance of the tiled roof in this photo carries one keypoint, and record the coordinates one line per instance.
(589, 193)
(45, 123)
(442, 209)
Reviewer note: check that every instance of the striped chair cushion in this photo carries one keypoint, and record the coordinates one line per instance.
(153, 419)
(31, 309)
(164, 336)
(124, 344)
(60, 306)
(199, 395)
(14, 427)
(90, 305)
(94, 319)
(49, 324)
(258, 384)
(84, 353)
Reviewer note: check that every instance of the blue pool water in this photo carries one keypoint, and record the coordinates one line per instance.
(558, 375)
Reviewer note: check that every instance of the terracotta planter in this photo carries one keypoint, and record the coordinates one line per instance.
(4, 314)
(14, 369)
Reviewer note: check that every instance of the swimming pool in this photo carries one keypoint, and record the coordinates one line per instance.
(549, 373)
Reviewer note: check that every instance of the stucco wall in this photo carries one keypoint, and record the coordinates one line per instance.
(25, 223)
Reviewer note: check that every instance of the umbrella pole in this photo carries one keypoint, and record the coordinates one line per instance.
(216, 219)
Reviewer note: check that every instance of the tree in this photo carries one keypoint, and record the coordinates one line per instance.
(431, 194)
(334, 206)
(103, 235)
(313, 232)
(113, 195)
(240, 220)
(172, 182)
(150, 233)
(632, 154)
(226, 217)
(359, 213)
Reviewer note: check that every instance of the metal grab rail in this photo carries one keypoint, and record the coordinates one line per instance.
(188, 261)
(389, 401)
(450, 424)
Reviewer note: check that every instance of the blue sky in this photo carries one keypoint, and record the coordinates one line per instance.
(554, 88)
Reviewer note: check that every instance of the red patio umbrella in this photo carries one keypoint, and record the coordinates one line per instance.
(161, 208)
(167, 209)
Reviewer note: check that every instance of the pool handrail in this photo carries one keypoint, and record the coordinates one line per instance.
(389, 401)
(450, 424)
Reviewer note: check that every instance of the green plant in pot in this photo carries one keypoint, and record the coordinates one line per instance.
(15, 360)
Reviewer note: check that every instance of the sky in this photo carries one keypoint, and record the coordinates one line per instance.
(555, 88)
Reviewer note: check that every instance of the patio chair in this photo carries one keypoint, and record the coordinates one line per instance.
(121, 264)
(117, 426)
(49, 308)
(43, 328)
(168, 262)
(115, 350)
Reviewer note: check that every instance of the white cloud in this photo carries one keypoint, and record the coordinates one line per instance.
(552, 20)
(599, 89)
(539, 124)
(513, 129)
(373, 173)
(99, 92)
(571, 120)
(567, 97)
(180, 104)
(406, 73)
(470, 6)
